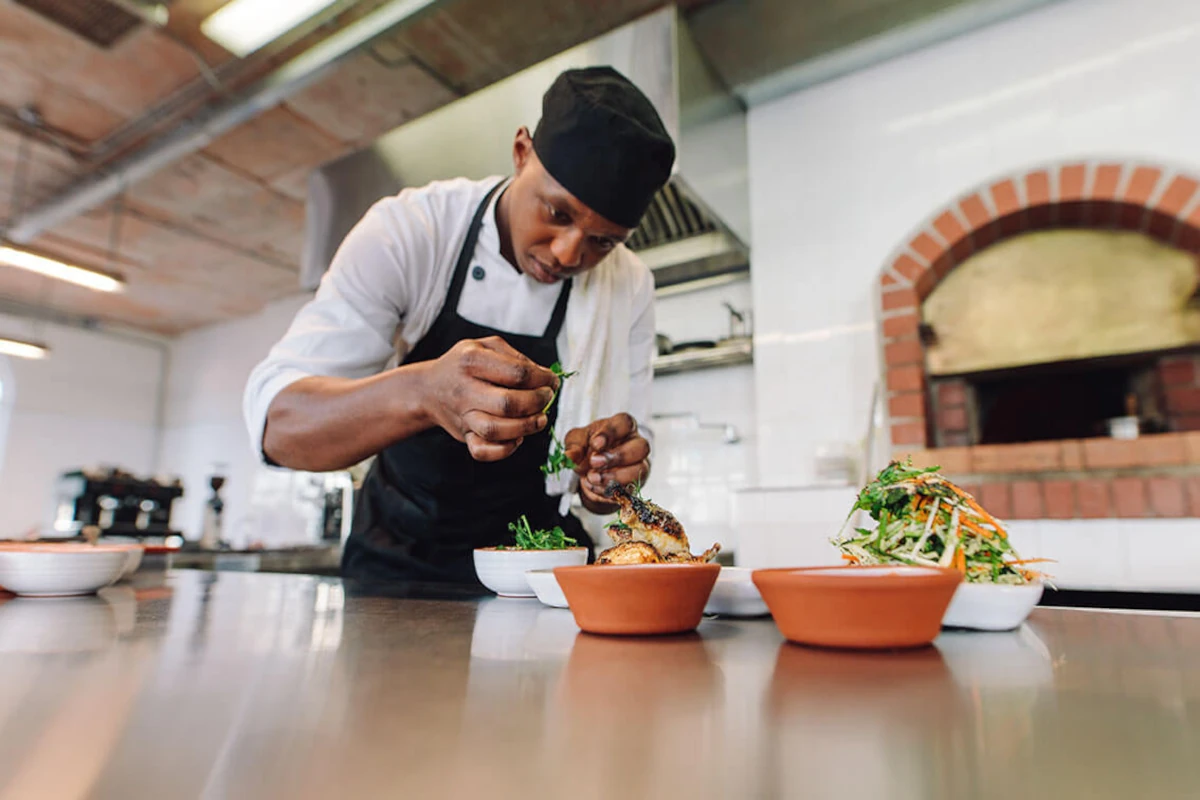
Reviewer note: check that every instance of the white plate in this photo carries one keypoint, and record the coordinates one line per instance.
(991, 606)
(546, 587)
(503, 571)
(51, 570)
(735, 595)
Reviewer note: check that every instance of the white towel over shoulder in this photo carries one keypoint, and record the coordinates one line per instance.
(599, 321)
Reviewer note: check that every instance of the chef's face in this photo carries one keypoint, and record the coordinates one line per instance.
(554, 236)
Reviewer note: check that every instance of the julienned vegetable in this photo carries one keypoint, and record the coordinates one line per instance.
(557, 460)
(530, 539)
(925, 519)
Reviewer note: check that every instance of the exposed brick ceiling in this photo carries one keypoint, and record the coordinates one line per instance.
(219, 233)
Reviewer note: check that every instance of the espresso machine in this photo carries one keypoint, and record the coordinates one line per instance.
(114, 503)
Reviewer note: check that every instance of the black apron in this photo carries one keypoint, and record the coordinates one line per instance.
(426, 504)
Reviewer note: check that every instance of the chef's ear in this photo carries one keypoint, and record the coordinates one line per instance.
(522, 149)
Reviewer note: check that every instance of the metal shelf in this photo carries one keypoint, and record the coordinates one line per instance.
(726, 354)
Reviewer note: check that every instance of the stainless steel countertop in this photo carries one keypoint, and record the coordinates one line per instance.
(228, 685)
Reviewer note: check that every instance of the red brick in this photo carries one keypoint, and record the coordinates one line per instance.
(1109, 453)
(1037, 188)
(904, 351)
(900, 325)
(1183, 400)
(907, 404)
(1142, 184)
(905, 379)
(1072, 455)
(900, 298)
(907, 266)
(1167, 497)
(909, 432)
(973, 489)
(887, 280)
(996, 499)
(975, 211)
(925, 284)
(986, 236)
(1060, 499)
(952, 419)
(1012, 224)
(1177, 196)
(1070, 182)
(1185, 422)
(1105, 185)
(1177, 371)
(1161, 450)
(1191, 447)
(1129, 497)
(1161, 226)
(1131, 218)
(952, 460)
(1004, 198)
(925, 246)
(1027, 500)
(1193, 495)
(1005, 458)
(951, 393)
(1094, 499)
(950, 228)
(943, 265)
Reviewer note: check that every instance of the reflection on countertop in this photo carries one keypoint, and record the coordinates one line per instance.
(218, 684)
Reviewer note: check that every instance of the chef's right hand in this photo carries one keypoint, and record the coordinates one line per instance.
(488, 395)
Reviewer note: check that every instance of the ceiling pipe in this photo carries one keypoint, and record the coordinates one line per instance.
(201, 129)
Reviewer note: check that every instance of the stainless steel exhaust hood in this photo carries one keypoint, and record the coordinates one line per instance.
(697, 226)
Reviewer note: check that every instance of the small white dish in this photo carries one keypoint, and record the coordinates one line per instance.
(991, 606)
(58, 570)
(546, 587)
(136, 551)
(735, 595)
(503, 571)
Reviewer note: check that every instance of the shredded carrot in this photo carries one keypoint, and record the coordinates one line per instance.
(1028, 561)
(960, 560)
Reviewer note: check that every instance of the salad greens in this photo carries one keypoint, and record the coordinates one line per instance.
(924, 519)
(530, 539)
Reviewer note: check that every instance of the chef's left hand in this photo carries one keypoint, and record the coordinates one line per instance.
(608, 449)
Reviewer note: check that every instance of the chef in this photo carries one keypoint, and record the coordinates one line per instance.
(430, 340)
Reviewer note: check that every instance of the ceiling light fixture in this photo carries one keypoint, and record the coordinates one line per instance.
(243, 26)
(51, 268)
(20, 349)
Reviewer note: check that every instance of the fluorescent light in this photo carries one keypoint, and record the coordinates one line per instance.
(15, 347)
(243, 26)
(23, 259)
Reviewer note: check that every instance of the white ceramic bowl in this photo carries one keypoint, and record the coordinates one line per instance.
(990, 606)
(503, 571)
(136, 551)
(546, 587)
(735, 595)
(50, 570)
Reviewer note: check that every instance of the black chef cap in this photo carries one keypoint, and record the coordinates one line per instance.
(600, 137)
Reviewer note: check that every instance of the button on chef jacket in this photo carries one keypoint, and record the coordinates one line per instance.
(389, 279)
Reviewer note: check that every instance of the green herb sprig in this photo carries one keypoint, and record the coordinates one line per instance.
(557, 460)
(529, 539)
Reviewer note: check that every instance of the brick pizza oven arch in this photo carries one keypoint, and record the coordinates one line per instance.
(1161, 202)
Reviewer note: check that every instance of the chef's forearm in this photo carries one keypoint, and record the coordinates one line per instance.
(322, 423)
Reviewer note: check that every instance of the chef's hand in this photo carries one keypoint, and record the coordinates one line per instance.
(608, 449)
(487, 394)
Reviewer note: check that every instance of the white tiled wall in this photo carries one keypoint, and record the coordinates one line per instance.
(843, 172)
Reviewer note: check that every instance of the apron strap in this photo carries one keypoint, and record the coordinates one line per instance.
(560, 312)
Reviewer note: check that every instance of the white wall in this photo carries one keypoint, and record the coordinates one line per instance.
(842, 173)
(204, 427)
(92, 402)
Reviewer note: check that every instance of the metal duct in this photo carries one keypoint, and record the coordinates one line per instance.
(196, 133)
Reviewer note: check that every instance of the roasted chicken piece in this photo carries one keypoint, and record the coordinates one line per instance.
(630, 552)
(642, 521)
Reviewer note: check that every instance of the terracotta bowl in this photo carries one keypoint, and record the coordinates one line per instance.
(638, 600)
(858, 607)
